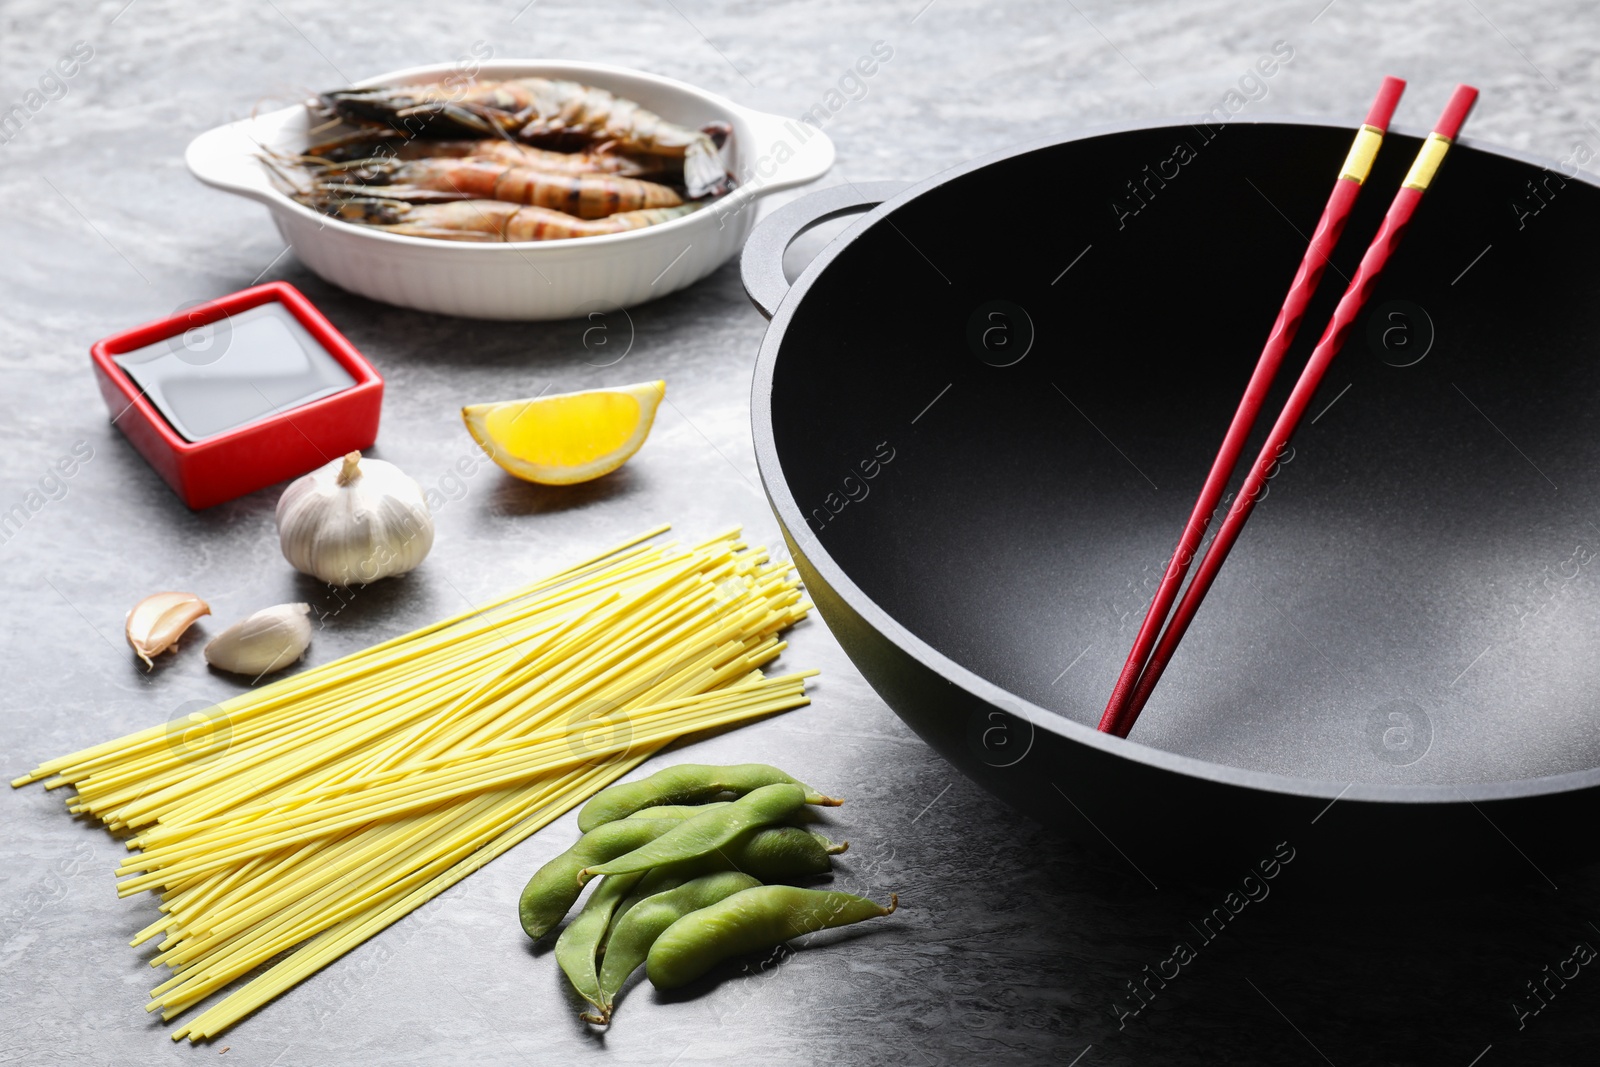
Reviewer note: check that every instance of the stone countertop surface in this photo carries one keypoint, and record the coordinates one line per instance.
(1013, 945)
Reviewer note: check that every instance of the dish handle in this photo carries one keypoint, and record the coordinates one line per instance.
(229, 158)
(761, 264)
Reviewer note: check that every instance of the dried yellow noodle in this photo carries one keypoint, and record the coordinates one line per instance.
(305, 816)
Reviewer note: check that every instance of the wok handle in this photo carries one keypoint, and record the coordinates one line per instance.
(761, 264)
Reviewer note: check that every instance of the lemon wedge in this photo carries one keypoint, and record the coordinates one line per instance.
(567, 438)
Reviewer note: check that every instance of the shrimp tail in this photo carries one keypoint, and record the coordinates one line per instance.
(703, 172)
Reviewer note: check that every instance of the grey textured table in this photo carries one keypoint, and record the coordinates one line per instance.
(1013, 945)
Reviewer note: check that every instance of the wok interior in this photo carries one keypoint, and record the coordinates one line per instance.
(1415, 601)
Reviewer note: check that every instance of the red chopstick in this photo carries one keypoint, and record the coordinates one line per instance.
(1323, 239)
(1333, 337)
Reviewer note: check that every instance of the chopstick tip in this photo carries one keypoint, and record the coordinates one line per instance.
(1455, 112)
(1387, 100)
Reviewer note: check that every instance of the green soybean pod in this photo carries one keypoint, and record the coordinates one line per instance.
(686, 783)
(769, 854)
(750, 921)
(829, 847)
(773, 854)
(553, 889)
(631, 936)
(703, 833)
(578, 947)
(673, 811)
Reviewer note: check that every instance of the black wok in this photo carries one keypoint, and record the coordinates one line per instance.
(982, 413)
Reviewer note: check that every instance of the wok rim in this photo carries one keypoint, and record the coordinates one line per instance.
(840, 583)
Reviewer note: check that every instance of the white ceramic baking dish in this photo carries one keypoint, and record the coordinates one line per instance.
(526, 280)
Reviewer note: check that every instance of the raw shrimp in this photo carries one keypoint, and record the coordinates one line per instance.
(588, 196)
(548, 112)
(654, 168)
(381, 143)
(492, 220)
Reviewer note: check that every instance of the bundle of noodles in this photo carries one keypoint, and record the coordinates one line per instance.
(305, 816)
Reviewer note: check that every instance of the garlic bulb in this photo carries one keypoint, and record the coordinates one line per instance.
(354, 521)
(267, 641)
(156, 622)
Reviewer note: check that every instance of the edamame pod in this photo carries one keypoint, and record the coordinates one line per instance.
(685, 783)
(770, 854)
(555, 887)
(631, 936)
(828, 846)
(674, 811)
(703, 833)
(749, 921)
(578, 947)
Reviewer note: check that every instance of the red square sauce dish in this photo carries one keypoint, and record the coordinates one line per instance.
(238, 393)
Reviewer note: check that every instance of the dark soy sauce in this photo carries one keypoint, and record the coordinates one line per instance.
(235, 371)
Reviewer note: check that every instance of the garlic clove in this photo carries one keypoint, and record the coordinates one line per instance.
(156, 622)
(354, 520)
(267, 641)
